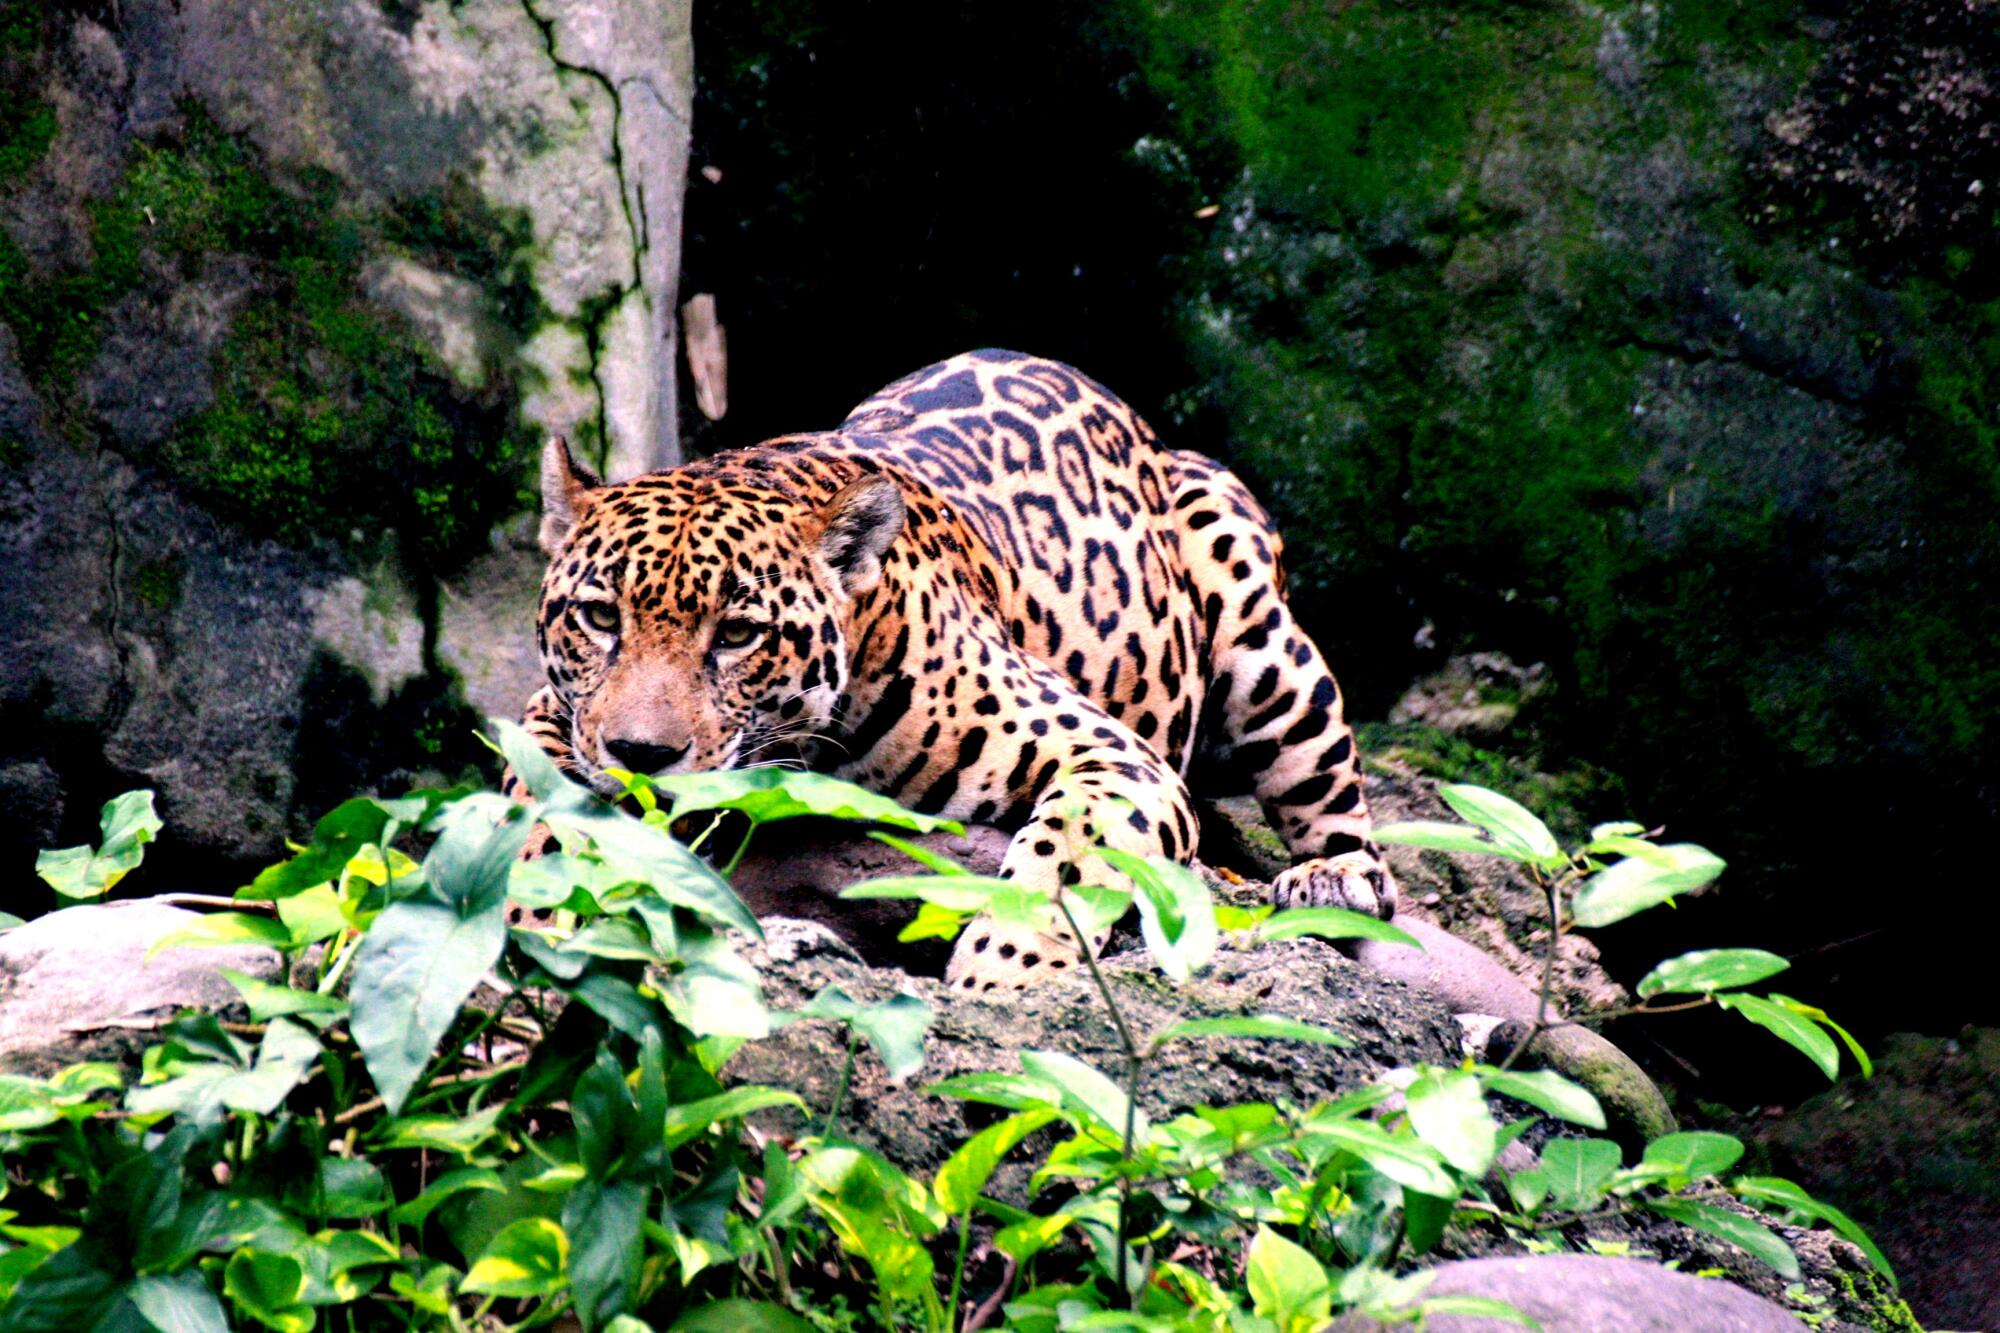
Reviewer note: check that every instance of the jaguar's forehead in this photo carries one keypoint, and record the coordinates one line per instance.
(683, 542)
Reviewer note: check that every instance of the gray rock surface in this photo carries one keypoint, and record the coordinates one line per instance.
(1588, 1293)
(77, 984)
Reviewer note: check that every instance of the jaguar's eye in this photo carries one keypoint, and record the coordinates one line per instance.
(600, 616)
(738, 633)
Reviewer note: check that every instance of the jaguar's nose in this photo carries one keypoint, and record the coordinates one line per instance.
(643, 757)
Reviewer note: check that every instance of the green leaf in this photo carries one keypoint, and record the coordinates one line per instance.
(227, 928)
(737, 1316)
(270, 1288)
(1787, 1196)
(1576, 1171)
(459, 1134)
(127, 823)
(1438, 836)
(1752, 1237)
(895, 1027)
(1690, 1156)
(923, 856)
(1476, 1307)
(605, 1224)
(1636, 883)
(769, 794)
(25, 1103)
(1708, 970)
(1791, 1027)
(632, 850)
(1176, 911)
(1016, 1092)
(352, 1187)
(1513, 826)
(204, 1089)
(1023, 1240)
(1448, 1111)
(445, 1187)
(1549, 1091)
(179, 1302)
(528, 1258)
(1274, 1026)
(267, 1000)
(1085, 1091)
(1425, 1217)
(337, 838)
(967, 1170)
(1409, 1162)
(1333, 923)
(686, 1121)
(1287, 1285)
(418, 964)
(954, 893)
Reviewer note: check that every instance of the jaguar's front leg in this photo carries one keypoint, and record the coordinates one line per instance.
(1111, 792)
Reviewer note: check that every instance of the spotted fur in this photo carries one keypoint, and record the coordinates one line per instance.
(990, 594)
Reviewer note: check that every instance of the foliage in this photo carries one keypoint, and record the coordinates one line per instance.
(446, 1122)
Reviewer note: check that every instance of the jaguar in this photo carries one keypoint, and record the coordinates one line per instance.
(990, 593)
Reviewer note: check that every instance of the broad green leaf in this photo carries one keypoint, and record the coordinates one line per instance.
(1791, 1027)
(1548, 1090)
(528, 1258)
(418, 964)
(736, 1316)
(268, 1000)
(1438, 836)
(923, 856)
(1711, 970)
(895, 1027)
(716, 992)
(460, 1134)
(445, 1187)
(226, 928)
(1176, 911)
(1085, 1091)
(967, 1170)
(179, 1302)
(954, 893)
(1620, 829)
(1023, 1240)
(1409, 1162)
(538, 773)
(1287, 1285)
(633, 850)
(604, 1221)
(337, 839)
(269, 1288)
(1448, 1112)
(686, 1121)
(768, 794)
(205, 1089)
(1274, 1026)
(1818, 1015)
(1476, 1307)
(1635, 883)
(1754, 1238)
(127, 823)
(352, 1187)
(1577, 1170)
(25, 1103)
(1332, 923)
(1425, 1217)
(1785, 1195)
(1016, 1092)
(1692, 1155)
(1512, 824)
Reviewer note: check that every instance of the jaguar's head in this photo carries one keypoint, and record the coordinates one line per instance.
(697, 619)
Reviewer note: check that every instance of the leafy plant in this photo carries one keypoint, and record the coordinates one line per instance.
(444, 1121)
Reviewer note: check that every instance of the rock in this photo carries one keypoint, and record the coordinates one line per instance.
(1587, 1293)
(77, 985)
(1478, 695)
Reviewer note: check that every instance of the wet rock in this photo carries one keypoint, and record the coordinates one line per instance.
(1478, 695)
(78, 984)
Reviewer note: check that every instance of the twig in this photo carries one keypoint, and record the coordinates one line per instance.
(989, 1307)
(1133, 1061)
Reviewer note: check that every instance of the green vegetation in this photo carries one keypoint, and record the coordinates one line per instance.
(387, 1146)
(329, 414)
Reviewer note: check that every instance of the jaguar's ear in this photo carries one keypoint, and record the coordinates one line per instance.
(565, 486)
(857, 525)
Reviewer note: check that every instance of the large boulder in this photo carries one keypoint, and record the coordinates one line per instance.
(289, 292)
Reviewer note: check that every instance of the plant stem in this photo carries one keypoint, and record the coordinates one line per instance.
(840, 1088)
(1550, 890)
(958, 1270)
(1133, 1062)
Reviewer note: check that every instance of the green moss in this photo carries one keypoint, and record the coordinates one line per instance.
(1569, 801)
(27, 127)
(157, 583)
